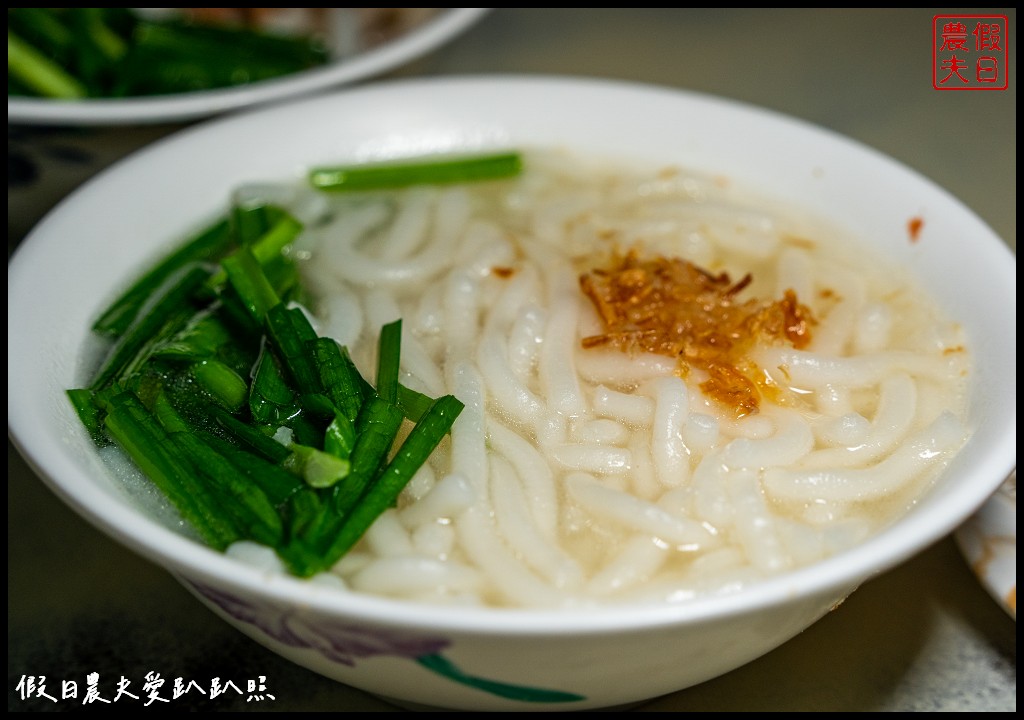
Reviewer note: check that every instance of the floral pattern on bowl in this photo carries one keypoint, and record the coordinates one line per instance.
(989, 542)
(346, 643)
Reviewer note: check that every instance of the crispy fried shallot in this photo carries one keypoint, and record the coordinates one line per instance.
(672, 307)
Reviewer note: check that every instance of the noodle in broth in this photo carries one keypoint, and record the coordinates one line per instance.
(582, 476)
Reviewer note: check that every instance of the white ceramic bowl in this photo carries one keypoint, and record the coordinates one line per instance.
(499, 659)
(413, 42)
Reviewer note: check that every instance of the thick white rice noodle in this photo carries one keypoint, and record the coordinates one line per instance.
(578, 477)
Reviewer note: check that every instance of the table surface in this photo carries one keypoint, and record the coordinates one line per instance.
(924, 636)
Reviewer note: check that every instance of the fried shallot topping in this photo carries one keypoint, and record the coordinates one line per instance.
(672, 307)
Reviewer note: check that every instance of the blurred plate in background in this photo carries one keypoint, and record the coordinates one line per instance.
(359, 55)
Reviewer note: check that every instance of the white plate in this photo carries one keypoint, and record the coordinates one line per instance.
(415, 43)
(989, 542)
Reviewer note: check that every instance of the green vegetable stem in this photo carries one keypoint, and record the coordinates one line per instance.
(420, 172)
(221, 391)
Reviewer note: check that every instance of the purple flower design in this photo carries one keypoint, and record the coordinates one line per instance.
(340, 642)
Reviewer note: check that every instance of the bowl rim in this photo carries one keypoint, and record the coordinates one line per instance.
(183, 557)
(182, 107)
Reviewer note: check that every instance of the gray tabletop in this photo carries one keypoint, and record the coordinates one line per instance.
(924, 636)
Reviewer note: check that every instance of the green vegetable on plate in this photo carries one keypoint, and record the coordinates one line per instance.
(74, 53)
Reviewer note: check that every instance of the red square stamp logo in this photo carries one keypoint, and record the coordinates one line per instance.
(969, 52)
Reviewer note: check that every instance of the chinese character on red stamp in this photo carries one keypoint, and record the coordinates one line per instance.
(969, 52)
